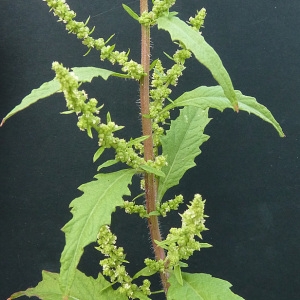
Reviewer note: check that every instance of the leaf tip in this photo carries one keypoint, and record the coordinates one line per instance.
(236, 108)
(1, 124)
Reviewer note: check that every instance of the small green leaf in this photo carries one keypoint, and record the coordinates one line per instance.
(108, 117)
(183, 265)
(203, 52)
(144, 272)
(153, 64)
(200, 287)
(154, 213)
(98, 153)
(205, 245)
(152, 170)
(67, 112)
(106, 164)
(138, 140)
(130, 12)
(178, 275)
(181, 145)
(168, 56)
(90, 211)
(49, 289)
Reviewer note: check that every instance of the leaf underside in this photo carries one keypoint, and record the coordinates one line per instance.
(213, 97)
(181, 145)
(84, 74)
(203, 52)
(200, 287)
(90, 211)
(84, 288)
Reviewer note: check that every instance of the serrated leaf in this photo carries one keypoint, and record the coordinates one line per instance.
(213, 97)
(131, 12)
(203, 52)
(200, 287)
(84, 288)
(90, 211)
(84, 74)
(181, 145)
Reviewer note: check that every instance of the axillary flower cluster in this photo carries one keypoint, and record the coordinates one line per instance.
(180, 244)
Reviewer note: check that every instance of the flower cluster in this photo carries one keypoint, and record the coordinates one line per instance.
(87, 110)
(132, 208)
(180, 242)
(198, 21)
(62, 10)
(160, 90)
(155, 265)
(113, 265)
(169, 205)
(77, 101)
(160, 7)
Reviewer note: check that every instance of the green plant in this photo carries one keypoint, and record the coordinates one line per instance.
(162, 155)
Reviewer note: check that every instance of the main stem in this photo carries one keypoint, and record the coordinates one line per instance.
(150, 182)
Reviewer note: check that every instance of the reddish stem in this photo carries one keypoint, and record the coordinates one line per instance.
(150, 183)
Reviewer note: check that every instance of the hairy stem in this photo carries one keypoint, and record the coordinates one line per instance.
(150, 183)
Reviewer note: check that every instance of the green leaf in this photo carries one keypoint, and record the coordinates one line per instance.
(203, 52)
(200, 287)
(90, 211)
(137, 140)
(178, 274)
(98, 153)
(108, 163)
(45, 90)
(84, 288)
(144, 272)
(213, 97)
(84, 74)
(131, 12)
(181, 145)
(152, 170)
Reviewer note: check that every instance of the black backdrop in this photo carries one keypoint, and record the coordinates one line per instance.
(249, 176)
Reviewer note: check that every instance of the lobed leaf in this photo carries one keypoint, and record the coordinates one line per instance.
(181, 145)
(84, 74)
(200, 287)
(90, 211)
(203, 52)
(213, 97)
(84, 288)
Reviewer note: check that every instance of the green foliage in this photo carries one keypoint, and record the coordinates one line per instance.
(162, 155)
(200, 287)
(83, 288)
(181, 145)
(203, 52)
(90, 211)
(84, 74)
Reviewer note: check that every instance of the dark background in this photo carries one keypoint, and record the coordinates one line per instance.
(249, 176)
